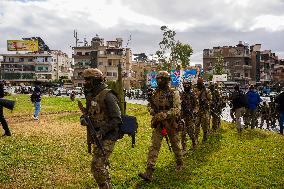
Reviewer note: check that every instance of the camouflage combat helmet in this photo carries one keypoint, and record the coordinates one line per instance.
(200, 81)
(92, 72)
(163, 74)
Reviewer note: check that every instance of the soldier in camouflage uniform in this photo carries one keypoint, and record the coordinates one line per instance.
(203, 115)
(189, 109)
(102, 107)
(265, 115)
(165, 109)
(216, 106)
(273, 114)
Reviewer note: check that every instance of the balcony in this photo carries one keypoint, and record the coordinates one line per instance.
(82, 64)
(247, 67)
(75, 56)
(114, 56)
(18, 76)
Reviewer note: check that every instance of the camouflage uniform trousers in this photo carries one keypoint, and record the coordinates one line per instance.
(251, 118)
(99, 165)
(190, 129)
(273, 119)
(202, 120)
(156, 139)
(239, 113)
(216, 121)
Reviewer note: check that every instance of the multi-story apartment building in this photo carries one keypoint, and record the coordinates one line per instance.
(62, 65)
(236, 61)
(266, 65)
(27, 67)
(278, 75)
(106, 57)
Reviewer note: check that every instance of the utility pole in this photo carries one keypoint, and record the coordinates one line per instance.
(76, 38)
(120, 90)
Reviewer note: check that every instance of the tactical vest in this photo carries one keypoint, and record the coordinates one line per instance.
(162, 101)
(203, 100)
(96, 107)
(96, 110)
(188, 103)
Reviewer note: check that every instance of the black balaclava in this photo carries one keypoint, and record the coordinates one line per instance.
(211, 87)
(163, 84)
(187, 87)
(95, 85)
(199, 85)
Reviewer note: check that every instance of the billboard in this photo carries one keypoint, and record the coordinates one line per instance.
(22, 45)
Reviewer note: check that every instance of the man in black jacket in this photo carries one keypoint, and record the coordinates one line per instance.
(2, 118)
(239, 103)
(280, 108)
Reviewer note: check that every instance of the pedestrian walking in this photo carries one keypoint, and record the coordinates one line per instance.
(36, 100)
(239, 103)
(253, 99)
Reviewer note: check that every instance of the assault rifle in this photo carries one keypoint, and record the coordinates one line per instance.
(86, 121)
(93, 133)
(165, 134)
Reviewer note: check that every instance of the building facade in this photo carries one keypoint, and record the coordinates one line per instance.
(278, 74)
(62, 65)
(28, 67)
(236, 62)
(243, 64)
(105, 56)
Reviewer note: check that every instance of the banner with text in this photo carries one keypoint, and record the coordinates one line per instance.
(22, 45)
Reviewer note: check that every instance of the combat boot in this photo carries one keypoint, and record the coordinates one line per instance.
(179, 166)
(204, 137)
(147, 176)
(194, 145)
(105, 186)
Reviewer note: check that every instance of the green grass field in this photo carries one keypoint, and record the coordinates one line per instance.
(52, 153)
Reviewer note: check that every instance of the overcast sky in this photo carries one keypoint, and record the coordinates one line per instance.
(202, 24)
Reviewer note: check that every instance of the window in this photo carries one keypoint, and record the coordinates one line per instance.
(246, 74)
(114, 74)
(110, 63)
(79, 53)
(237, 74)
(102, 52)
(11, 59)
(101, 63)
(109, 73)
(30, 59)
(21, 59)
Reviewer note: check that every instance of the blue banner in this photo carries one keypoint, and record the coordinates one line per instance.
(189, 74)
(153, 80)
(175, 78)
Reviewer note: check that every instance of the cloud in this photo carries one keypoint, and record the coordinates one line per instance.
(202, 24)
